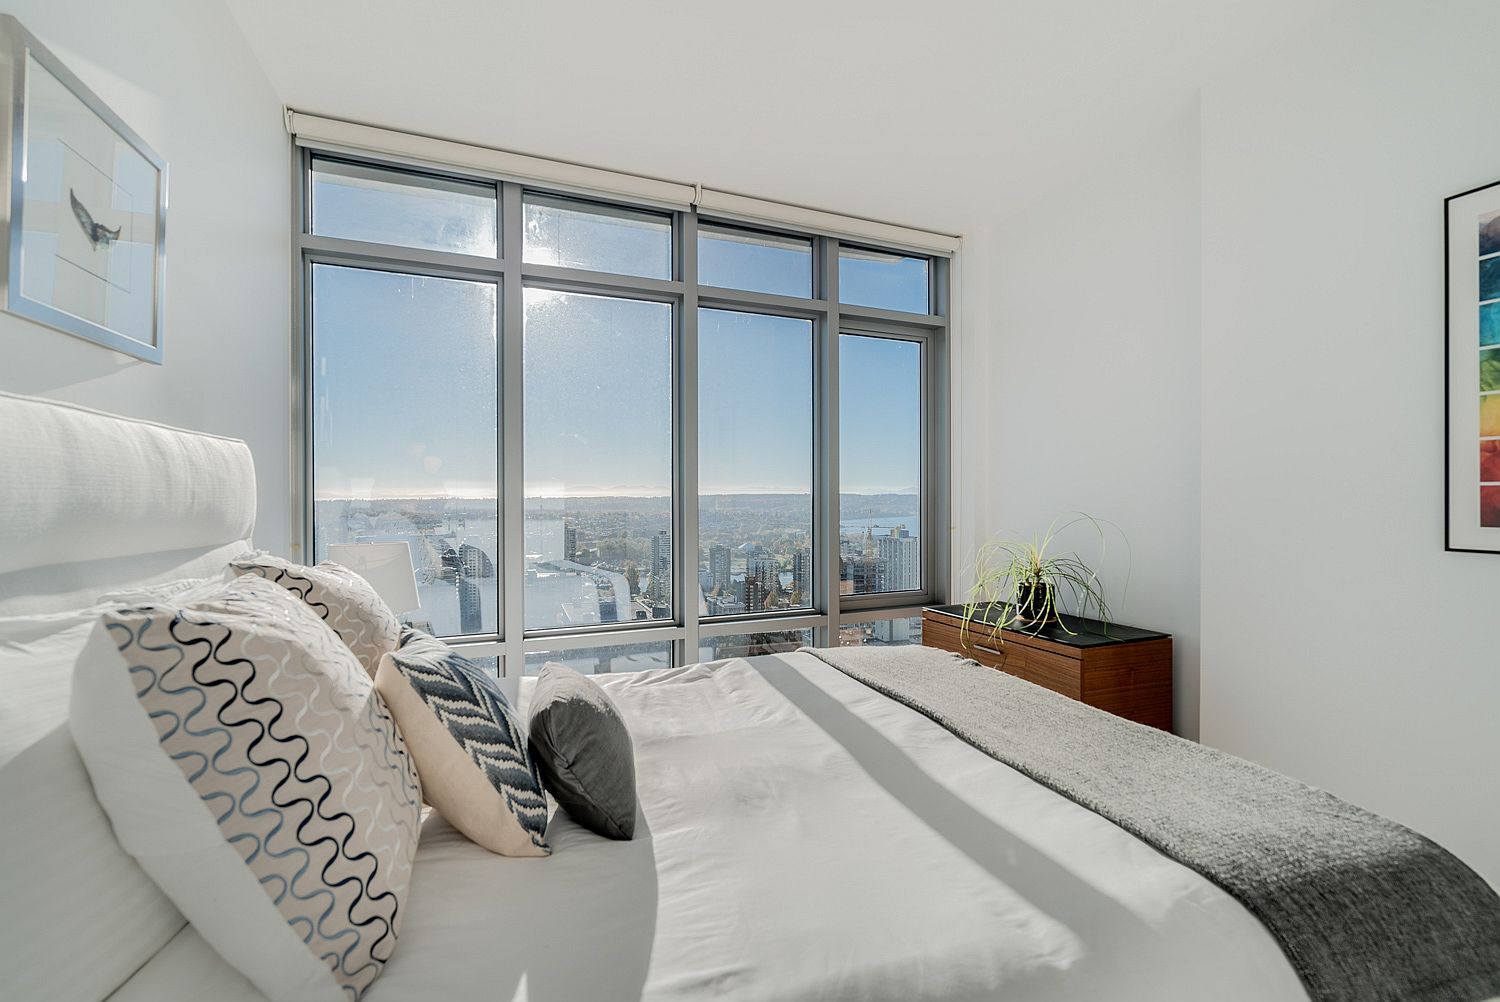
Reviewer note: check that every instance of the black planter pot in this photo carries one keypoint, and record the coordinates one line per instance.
(1032, 607)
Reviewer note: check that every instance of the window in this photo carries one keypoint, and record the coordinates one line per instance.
(617, 436)
(362, 202)
(598, 460)
(489, 665)
(755, 465)
(404, 421)
(603, 660)
(880, 464)
(596, 237)
(737, 258)
(748, 645)
(899, 631)
(885, 281)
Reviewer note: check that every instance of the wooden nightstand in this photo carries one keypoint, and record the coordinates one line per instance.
(1124, 670)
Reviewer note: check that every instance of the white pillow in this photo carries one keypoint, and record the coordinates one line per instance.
(247, 763)
(63, 869)
(343, 599)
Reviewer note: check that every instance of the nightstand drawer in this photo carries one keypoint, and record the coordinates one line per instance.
(1119, 669)
(1053, 671)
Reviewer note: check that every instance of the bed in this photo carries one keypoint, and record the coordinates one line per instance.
(801, 835)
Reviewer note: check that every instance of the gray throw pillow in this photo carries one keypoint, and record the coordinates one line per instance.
(583, 751)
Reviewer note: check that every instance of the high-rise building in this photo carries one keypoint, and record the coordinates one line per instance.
(763, 567)
(755, 593)
(902, 630)
(570, 541)
(470, 565)
(475, 562)
(661, 566)
(802, 568)
(902, 553)
(862, 574)
(718, 567)
(726, 604)
(470, 606)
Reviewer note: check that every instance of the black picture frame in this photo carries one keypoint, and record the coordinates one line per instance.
(1471, 370)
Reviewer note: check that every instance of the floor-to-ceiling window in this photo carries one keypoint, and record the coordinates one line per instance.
(620, 436)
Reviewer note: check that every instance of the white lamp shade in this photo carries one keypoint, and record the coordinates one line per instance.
(388, 568)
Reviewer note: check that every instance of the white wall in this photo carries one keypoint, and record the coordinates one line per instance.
(1341, 644)
(1228, 340)
(1093, 324)
(180, 73)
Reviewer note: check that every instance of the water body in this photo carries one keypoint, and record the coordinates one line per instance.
(882, 525)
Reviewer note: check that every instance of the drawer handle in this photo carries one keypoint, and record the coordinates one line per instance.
(987, 650)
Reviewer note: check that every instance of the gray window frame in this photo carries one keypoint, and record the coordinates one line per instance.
(510, 644)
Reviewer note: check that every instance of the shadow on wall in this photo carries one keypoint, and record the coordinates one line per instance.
(40, 360)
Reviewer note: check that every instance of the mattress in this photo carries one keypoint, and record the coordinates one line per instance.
(803, 837)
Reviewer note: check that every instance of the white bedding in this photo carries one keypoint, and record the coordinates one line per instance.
(805, 838)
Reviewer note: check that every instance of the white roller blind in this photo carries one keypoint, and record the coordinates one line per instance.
(331, 133)
(311, 130)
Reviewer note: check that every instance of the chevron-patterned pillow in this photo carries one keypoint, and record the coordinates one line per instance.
(469, 746)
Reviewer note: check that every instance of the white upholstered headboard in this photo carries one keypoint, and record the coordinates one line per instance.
(91, 502)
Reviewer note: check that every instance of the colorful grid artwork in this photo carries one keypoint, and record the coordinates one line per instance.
(1489, 233)
(1489, 461)
(1472, 234)
(1489, 416)
(1489, 278)
(1489, 506)
(1489, 325)
(1489, 370)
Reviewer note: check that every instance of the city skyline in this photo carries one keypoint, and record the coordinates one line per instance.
(598, 561)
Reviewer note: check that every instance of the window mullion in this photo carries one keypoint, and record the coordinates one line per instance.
(686, 551)
(512, 460)
(302, 395)
(937, 445)
(826, 449)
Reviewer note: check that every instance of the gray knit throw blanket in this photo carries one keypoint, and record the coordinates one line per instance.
(1364, 909)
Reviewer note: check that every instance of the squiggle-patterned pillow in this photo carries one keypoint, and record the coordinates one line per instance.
(469, 745)
(245, 759)
(343, 599)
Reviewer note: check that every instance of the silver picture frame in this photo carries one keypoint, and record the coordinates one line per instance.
(85, 221)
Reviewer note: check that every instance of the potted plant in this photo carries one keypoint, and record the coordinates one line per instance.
(1022, 584)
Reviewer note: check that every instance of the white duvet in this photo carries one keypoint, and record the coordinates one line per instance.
(805, 838)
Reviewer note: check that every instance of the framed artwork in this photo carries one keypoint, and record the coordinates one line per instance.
(1472, 231)
(85, 223)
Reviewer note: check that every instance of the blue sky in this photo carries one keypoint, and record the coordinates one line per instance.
(405, 394)
(755, 418)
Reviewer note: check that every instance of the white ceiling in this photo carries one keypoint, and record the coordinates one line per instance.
(933, 114)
